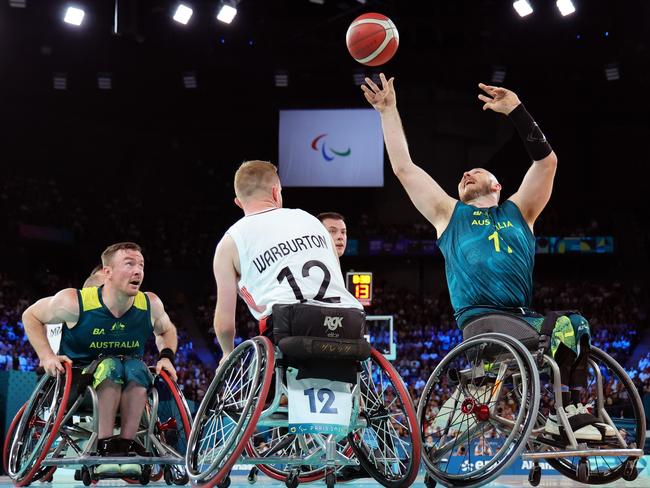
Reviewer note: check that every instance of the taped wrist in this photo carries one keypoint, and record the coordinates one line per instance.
(534, 140)
(169, 354)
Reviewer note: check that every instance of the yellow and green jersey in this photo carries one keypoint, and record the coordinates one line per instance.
(98, 331)
(489, 258)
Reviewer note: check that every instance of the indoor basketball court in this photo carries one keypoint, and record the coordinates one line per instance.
(324, 242)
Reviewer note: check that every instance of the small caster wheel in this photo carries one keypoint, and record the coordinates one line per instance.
(48, 478)
(535, 475)
(583, 471)
(86, 479)
(167, 475)
(330, 479)
(225, 483)
(292, 480)
(630, 472)
(429, 482)
(252, 475)
(182, 479)
(145, 477)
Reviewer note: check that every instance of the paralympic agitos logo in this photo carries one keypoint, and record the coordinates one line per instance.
(327, 152)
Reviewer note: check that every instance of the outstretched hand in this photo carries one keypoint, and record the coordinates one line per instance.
(380, 98)
(499, 100)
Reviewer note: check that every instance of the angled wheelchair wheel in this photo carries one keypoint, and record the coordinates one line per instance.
(38, 427)
(9, 438)
(173, 425)
(389, 447)
(229, 412)
(478, 409)
(622, 404)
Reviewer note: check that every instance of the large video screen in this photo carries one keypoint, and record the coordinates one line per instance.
(331, 148)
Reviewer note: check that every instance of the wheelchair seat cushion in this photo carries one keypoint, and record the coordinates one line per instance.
(503, 323)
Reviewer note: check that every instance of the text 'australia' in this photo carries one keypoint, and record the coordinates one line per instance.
(285, 248)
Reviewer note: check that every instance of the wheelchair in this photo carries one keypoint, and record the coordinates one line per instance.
(251, 411)
(58, 425)
(486, 403)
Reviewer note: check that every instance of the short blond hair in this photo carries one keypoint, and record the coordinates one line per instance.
(109, 252)
(254, 177)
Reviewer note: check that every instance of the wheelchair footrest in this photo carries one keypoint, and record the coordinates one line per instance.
(582, 453)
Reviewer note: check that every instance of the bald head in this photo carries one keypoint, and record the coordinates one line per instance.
(477, 183)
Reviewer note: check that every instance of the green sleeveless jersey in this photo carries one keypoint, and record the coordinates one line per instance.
(489, 257)
(98, 331)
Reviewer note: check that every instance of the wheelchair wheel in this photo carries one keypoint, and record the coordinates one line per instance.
(45, 472)
(478, 409)
(172, 426)
(627, 413)
(388, 448)
(38, 427)
(229, 411)
(9, 438)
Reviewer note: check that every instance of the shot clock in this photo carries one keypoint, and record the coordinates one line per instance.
(360, 285)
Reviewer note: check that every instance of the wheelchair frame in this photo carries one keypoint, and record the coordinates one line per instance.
(532, 431)
(59, 436)
(327, 455)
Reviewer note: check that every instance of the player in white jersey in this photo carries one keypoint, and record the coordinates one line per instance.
(273, 256)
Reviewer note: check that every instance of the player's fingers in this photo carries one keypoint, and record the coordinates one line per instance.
(391, 83)
(372, 85)
(370, 98)
(485, 99)
(65, 359)
(487, 106)
(172, 373)
(59, 367)
(485, 88)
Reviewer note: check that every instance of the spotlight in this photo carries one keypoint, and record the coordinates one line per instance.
(523, 8)
(104, 81)
(60, 81)
(74, 16)
(183, 14)
(359, 77)
(565, 7)
(189, 80)
(498, 74)
(611, 72)
(18, 3)
(227, 11)
(281, 78)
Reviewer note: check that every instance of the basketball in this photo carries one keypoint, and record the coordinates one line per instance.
(372, 39)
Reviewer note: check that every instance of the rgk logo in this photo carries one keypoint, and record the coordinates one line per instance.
(333, 323)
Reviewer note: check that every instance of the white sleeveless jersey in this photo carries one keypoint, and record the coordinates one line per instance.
(286, 256)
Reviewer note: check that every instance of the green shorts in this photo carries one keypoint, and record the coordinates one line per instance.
(568, 330)
(121, 371)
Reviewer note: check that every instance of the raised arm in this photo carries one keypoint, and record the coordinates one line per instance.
(166, 336)
(535, 189)
(62, 307)
(427, 196)
(225, 265)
